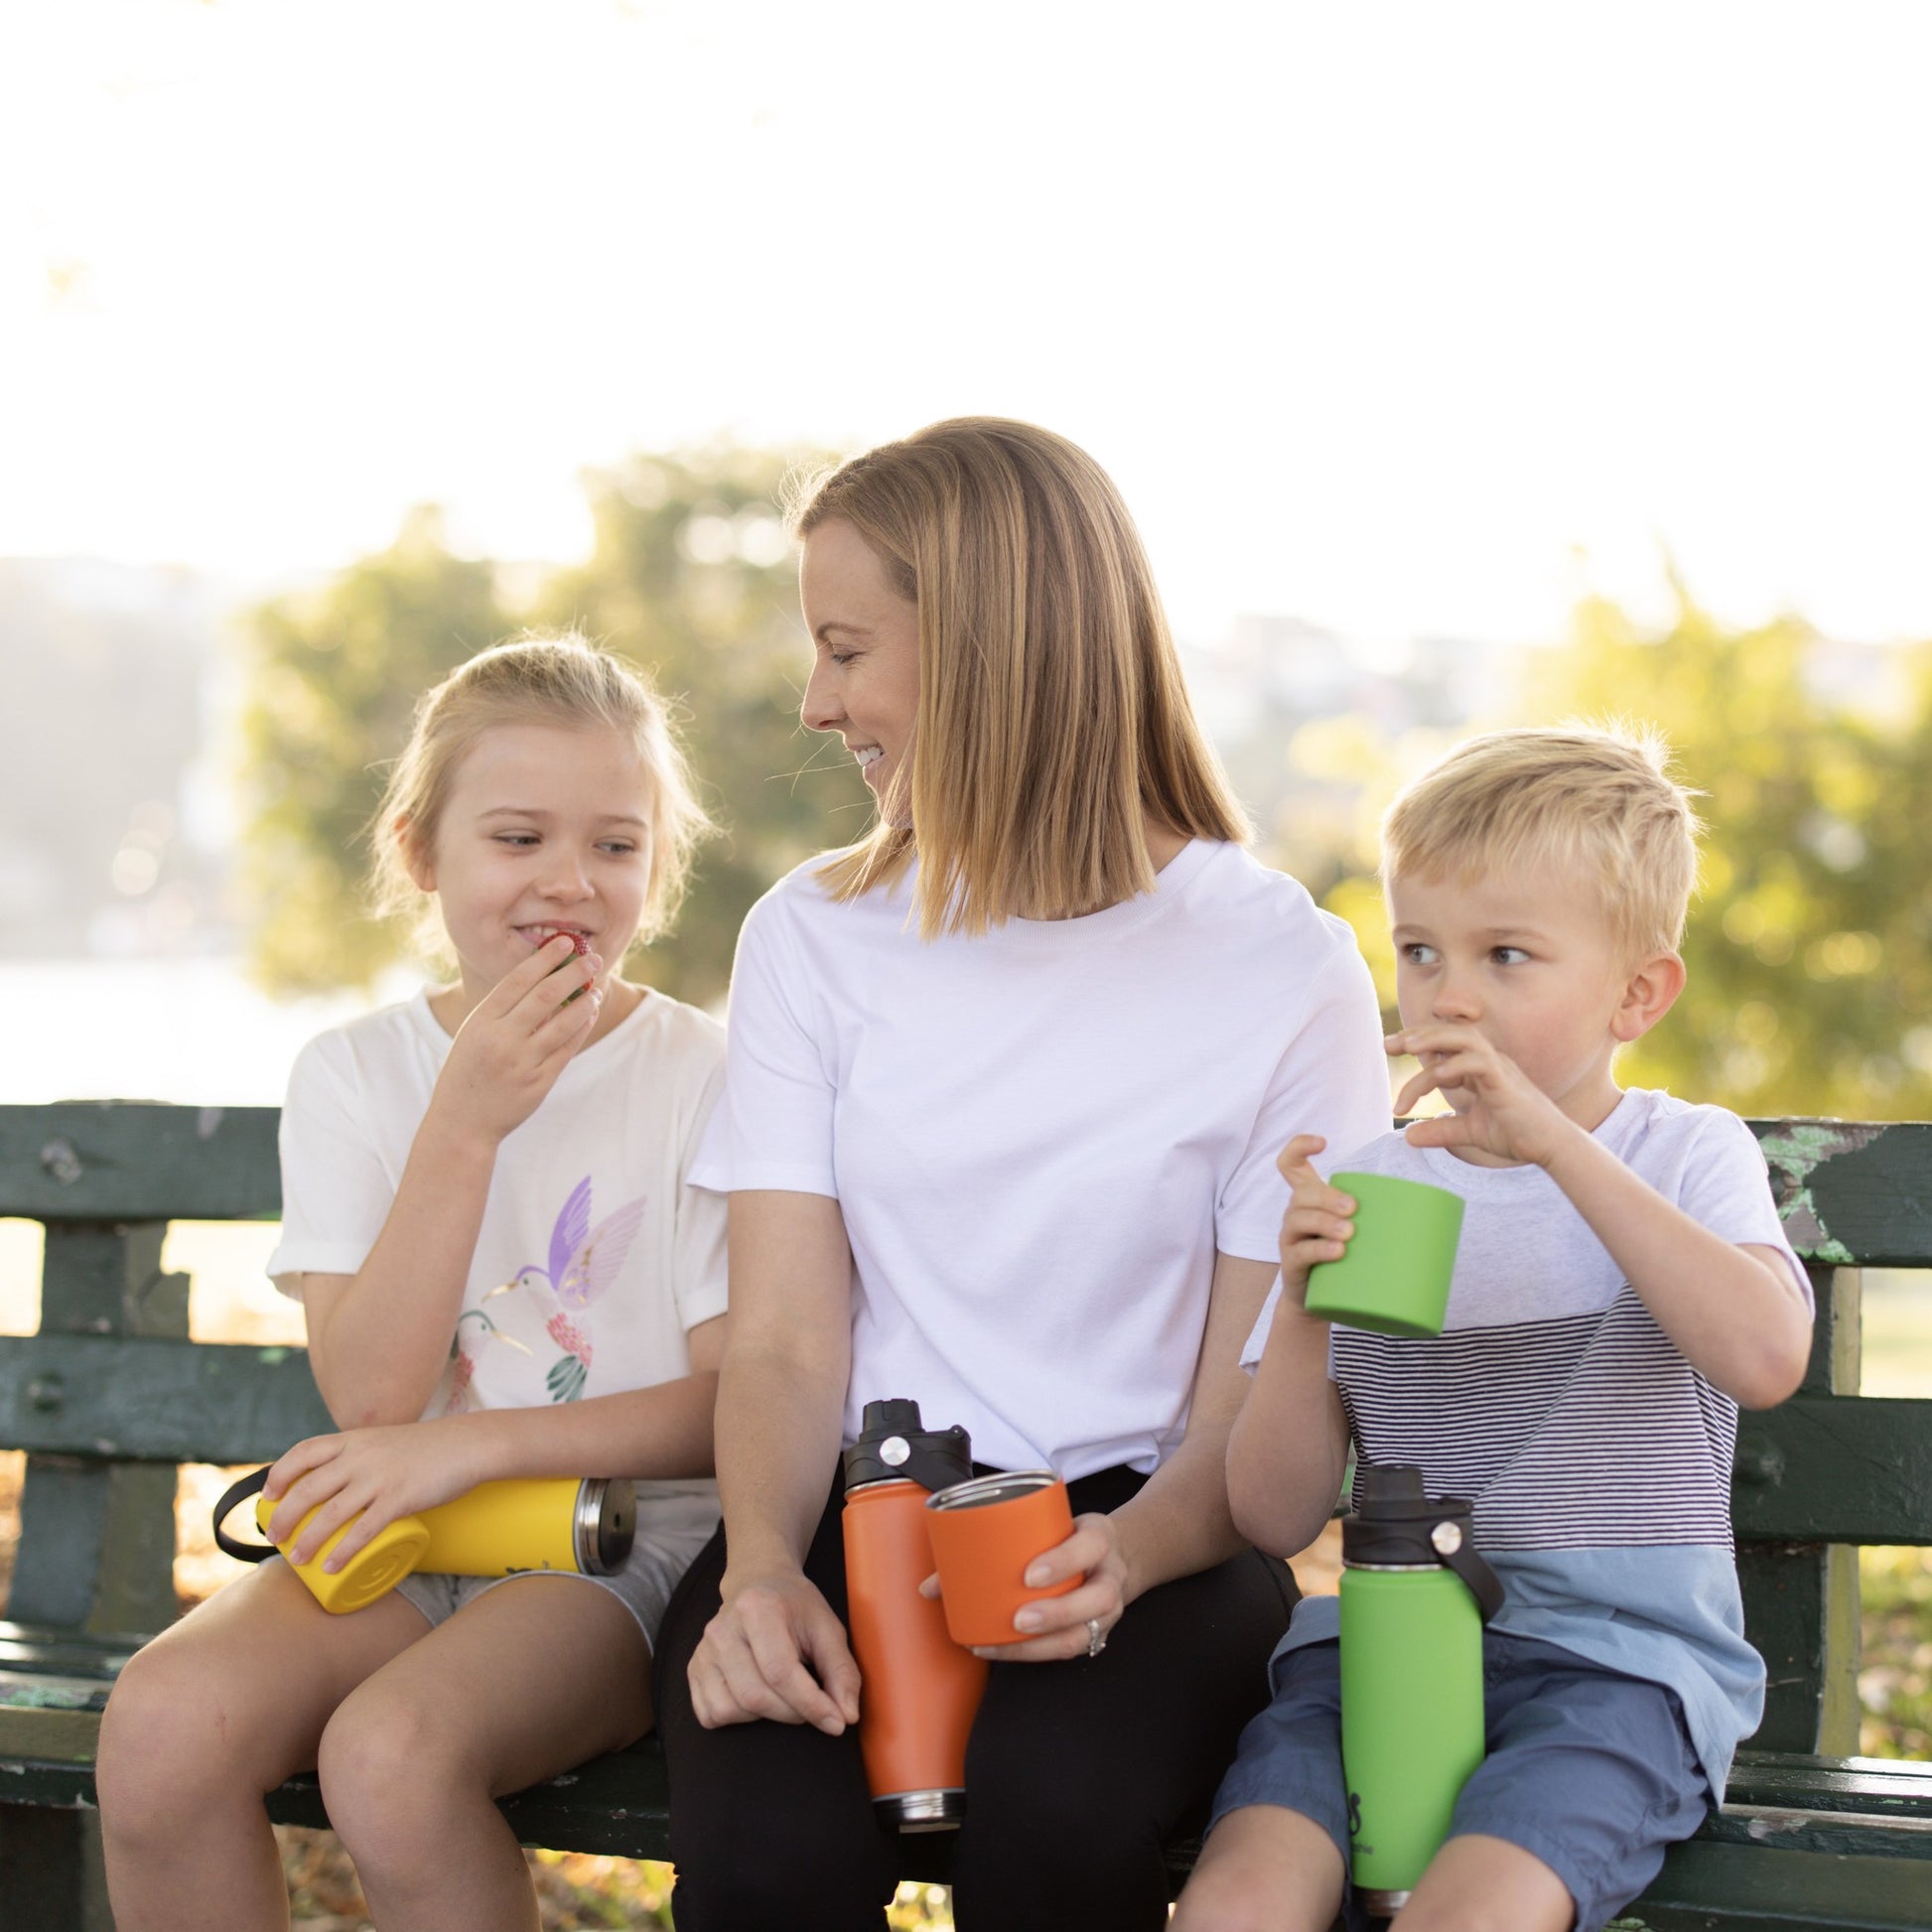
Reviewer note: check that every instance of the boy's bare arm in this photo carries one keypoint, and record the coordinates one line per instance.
(1290, 1443)
(1736, 1313)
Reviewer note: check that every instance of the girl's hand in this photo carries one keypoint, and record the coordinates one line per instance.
(518, 1038)
(1054, 1628)
(1497, 1110)
(366, 1477)
(1316, 1226)
(775, 1649)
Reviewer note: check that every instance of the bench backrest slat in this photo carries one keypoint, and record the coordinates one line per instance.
(1796, 1465)
(139, 1161)
(1853, 1194)
(135, 1399)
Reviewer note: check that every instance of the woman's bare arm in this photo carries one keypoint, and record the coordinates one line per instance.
(1179, 1522)
(775, 1648)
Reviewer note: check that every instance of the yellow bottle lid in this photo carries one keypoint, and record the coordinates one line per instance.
(380, 1566)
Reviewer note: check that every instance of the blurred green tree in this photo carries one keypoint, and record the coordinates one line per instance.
(1810, 940)
(691, 577)
(332, 680)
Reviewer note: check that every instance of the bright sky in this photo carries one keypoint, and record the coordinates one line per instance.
(1400, 318)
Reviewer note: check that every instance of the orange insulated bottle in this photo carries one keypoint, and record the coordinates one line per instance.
(918, 1691)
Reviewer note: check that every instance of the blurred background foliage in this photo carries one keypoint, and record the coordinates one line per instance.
(333, 678)
(691, 577)
(1810, 945)
(1810, 941)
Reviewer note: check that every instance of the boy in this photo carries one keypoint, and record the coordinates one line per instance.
(1621, 1285)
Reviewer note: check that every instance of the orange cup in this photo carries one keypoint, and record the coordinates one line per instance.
(985, 1532)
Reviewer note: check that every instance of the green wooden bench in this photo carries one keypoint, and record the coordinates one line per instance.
(111, 1394)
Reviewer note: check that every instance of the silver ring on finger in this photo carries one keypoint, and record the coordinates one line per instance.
(1096, 1637)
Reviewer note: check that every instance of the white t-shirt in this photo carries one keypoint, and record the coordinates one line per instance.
(593, 1256)
(1038, 1138)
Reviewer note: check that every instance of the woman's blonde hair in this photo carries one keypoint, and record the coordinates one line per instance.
(561, 679)
(1053, 719)
(1600, 802)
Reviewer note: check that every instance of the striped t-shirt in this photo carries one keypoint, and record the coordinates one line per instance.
(1599, 1459)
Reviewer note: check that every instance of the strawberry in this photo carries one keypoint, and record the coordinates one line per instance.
(582, 946)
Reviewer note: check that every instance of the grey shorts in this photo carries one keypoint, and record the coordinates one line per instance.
(1588, 1770)
(671, 1530)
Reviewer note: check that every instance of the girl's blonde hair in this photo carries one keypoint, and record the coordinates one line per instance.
(561, 679)
(1053, 719)
(1600, 802)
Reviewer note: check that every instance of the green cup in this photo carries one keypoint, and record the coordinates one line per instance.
(1395, 1276)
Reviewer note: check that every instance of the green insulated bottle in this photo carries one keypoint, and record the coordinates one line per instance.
(1415, 1595)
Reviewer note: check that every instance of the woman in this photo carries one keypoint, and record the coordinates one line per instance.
(1006, 1083)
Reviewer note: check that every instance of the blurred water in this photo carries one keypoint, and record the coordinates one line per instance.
(184, 1029)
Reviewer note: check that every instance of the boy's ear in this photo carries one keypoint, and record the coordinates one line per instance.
(1649, 992)
(415, 860)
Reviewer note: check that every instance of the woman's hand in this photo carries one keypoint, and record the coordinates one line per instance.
(367, 1477)
(1054, 1628)
(518, 1038)
(775, 1649)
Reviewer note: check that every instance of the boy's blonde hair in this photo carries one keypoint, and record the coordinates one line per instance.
(1600, 800)
(1053, 718)
(561, 679)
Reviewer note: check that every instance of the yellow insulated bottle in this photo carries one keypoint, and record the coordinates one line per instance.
(499, 1529)
(532, 1523)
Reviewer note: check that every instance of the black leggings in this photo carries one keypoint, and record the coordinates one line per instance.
(1077, 1773)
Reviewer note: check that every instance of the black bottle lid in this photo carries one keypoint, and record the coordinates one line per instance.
(894, 1447)
(1396, 1525)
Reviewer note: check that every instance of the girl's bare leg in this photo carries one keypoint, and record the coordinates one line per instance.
(1477, 1884)
(526, 1680)
(206, 1719)
(1264, 1869)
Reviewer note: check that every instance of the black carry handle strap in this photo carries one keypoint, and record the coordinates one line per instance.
(1482, 1582)
(249, 1485)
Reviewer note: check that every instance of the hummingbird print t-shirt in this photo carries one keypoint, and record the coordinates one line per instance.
(593, 1258)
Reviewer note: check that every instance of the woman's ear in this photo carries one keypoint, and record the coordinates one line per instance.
(415, 860)
(1649, 992)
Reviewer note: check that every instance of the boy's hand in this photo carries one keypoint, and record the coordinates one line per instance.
(1497, 1109)
(1316, 1226)
(520, 1037)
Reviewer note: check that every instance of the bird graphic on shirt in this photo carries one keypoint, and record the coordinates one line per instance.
(462, 1371)
(583, 1261)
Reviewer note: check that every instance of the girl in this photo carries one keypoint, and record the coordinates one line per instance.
(503, 1274)
(1007, 1081)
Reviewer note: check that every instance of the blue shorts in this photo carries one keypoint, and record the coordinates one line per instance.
(1588, 1770)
